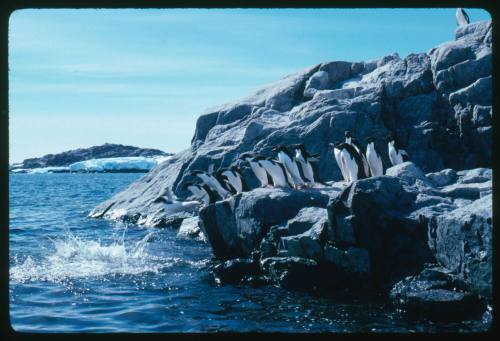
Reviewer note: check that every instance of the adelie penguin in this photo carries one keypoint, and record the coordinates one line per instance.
(357, 146)
(292, 169)
(277, 172)
(258, 170)
(201, 193)
(352, 162)
(396, 154)
(462, 17)
(235, 181)
(307, 163)
(374, 157)
(211, 181)
(337, 152)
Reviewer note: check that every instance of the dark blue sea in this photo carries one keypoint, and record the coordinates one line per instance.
(70, 273)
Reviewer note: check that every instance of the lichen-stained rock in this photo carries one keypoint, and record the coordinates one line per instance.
(438, 295)
(462, 242)
(235, 226)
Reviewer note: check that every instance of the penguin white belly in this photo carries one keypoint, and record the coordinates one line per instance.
(395, 158)
(292, 169)
(374, 162)
(338, 157)
(234, 180)
(276, 173)
(351, 165)
(308, 171)
(212, 182)
(260, 173)
(197, 193)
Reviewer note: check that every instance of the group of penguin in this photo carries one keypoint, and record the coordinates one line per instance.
(294, 168)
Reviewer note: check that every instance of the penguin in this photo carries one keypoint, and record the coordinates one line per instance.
(337, 152)
(211, 181)
(306, 162)
(258, 170)
(374, 157)
(292, 169)
(202, 193)
(396, 154)
(462, 17)
(276, 170)
(234, 179)
(353, 142)
(352, 162)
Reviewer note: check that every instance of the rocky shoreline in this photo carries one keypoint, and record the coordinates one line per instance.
(421, 235)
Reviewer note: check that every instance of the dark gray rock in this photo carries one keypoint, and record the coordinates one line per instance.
(308, 244)
(408, 172)
(437, 295)
(477, 175)
(236, 226)
(292, 272)
(235, 271)
(318, 81)
(371, 214)
(442, 178)
(462, 242)
(353, 262)
(305, 219)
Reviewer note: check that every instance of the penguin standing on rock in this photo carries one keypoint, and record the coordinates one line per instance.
(211, 181)
(292, 169)
(374, 157)
(352, 162)
(201, 193)
(396, 154)
(462, 17)
(353, 142)
(234, 180)
(337, 152)
(277, 172)
(307, 163)
(258, 170)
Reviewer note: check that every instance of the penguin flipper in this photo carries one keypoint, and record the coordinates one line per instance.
(210, 168)
(405, 156)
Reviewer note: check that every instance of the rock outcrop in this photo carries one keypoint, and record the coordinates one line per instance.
(379, 233)
(107, 150)
(429, 100)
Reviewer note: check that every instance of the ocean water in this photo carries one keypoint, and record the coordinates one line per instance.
(70, 273)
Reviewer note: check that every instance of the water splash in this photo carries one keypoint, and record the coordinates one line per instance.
(75, 257)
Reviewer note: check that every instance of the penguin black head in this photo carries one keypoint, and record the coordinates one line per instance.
(389, 138)
(196, 172)
(335, 144)
(370, 139)
(187, 184)
(347, 134)
(280, 148)
(246, 156)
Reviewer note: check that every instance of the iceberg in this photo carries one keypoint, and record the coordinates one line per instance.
(118, 164)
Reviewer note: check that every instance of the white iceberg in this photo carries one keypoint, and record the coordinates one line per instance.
(118, 164)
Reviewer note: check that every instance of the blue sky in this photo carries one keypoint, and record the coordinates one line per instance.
(80, 78)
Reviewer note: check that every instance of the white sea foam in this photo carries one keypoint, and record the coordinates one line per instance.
(75, 257)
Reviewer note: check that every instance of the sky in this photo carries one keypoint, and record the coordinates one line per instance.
(84, 77)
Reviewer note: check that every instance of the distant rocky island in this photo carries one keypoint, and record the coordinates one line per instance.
(421, 234)
(105, 158)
